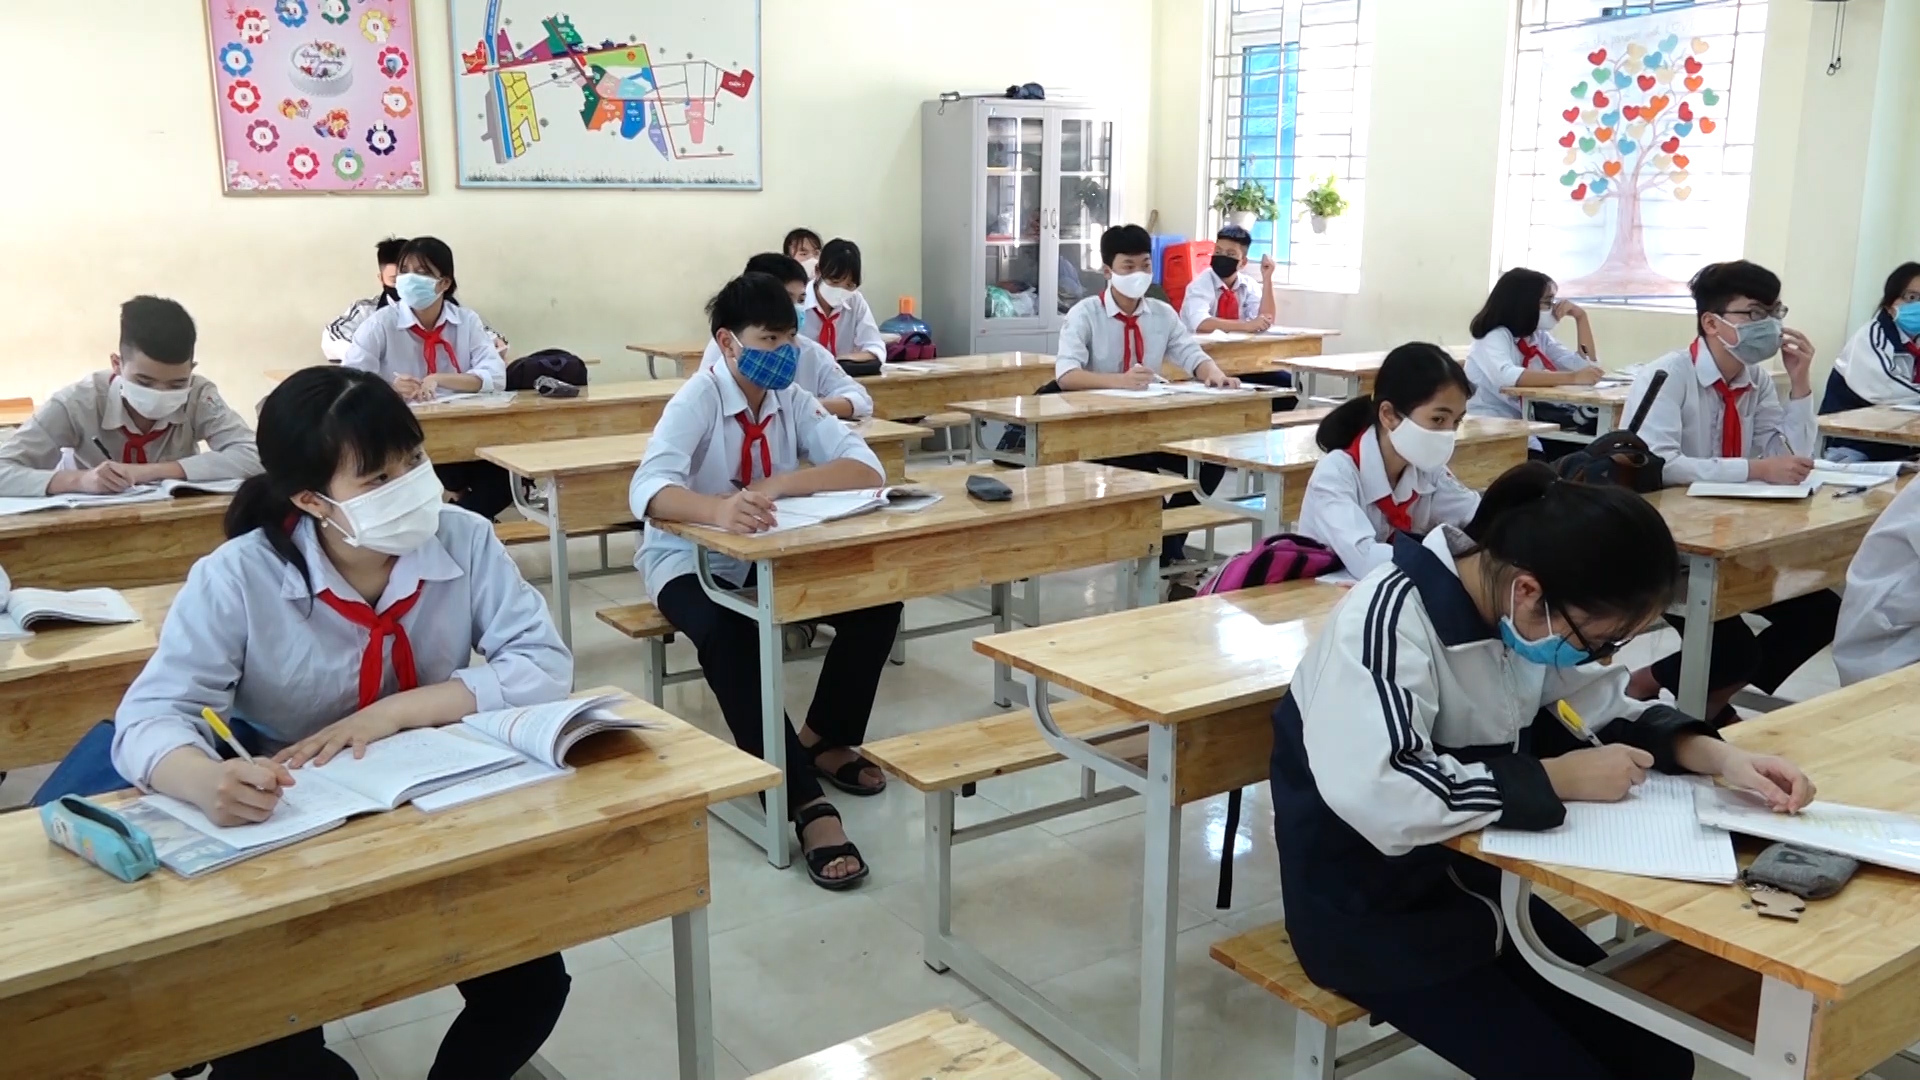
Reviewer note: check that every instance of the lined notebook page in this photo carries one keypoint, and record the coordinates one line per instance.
(1653, 832)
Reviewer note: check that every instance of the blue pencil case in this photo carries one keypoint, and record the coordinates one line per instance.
(100, 836)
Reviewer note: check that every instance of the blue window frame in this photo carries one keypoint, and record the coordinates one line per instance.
(1269, 89)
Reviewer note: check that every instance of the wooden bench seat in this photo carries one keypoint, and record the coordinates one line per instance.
(1301, 417)
(1185, 519)
(946, 420)
(532, 532)
(959, 754)
(940, 1043)
(637, 621)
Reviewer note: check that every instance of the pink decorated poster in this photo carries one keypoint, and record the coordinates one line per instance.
(316, 96)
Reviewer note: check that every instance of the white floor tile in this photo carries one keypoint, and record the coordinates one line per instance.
(619, 1022)
(434, 1003)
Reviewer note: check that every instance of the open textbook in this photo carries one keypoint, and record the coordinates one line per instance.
(1881, 837)
(21, 610)
(1653, 832)
(139, 493)
(1838, 474)
(540, 737)
(407, 767)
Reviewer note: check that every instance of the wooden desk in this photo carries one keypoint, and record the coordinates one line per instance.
(924, 387)
(120, 546)
(1203, 676)
(1487, 447)
(1743, 554)
(15, 412)
(590, 477)
(1062, 517)
(1830, 996)
(99, 978)
(58, 683)
(1356, 371)
(685, 357)
(1089, 425)
(1258, 354)
(457, 430)
(1609, 401)
(1875, 423)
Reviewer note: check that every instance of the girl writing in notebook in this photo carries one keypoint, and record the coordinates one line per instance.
(345, 607)
(1385, 469)
(1416, 716)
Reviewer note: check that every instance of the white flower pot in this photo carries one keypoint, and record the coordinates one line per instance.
(1318, 221)
(1243, 219)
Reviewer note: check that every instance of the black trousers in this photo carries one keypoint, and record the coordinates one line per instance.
(1173, 548)
(729, 648)
(479, 486)
(508, 1015)
(1504, 1022)
(1796, 630)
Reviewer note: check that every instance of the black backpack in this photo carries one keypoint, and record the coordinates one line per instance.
(1620, 457)
(548, 363)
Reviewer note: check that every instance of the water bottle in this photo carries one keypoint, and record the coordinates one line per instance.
(906, 322)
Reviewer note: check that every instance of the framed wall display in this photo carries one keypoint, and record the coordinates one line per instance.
(607, 93)
(316, 96)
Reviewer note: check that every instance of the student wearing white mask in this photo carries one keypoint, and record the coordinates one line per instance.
(1514, 344)
(837, 316)
(139, 422)
(803, 246)
(1385, 470)
(346, 607)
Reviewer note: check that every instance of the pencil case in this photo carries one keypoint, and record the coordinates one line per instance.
(1804, 872)
(100, 836)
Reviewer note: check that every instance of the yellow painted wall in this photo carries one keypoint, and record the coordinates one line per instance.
(120, 193)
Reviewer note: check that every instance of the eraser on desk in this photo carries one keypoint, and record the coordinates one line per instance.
(100, 836)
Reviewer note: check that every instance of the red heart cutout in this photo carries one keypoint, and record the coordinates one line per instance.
(1693, 66)
(1600, 100)
(1571, 114)
(1694, 82)
(1631, 112)
(1645, 81)
(1707, 124)
(1682, 160)
(1567, 139)
(1579, 193)
(1597, 57)
(1686, 111)
(1670, 145)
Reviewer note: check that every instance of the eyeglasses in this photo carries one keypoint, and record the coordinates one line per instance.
(1759, 311)
(1595, 653)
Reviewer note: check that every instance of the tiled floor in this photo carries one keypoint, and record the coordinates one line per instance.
(796, 968)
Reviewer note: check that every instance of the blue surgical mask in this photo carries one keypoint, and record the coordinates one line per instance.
(1552, 651)
(800, 311)
(1907, 318)
(417, 291)
(770, 369)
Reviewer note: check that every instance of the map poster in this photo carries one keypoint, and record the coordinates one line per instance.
(316, 96)
(607, 93)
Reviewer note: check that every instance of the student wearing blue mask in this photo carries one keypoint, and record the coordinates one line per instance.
(729, 443)
(1876, 366)
(1417, 716)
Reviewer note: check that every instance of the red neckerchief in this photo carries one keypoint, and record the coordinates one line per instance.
(429, 339)
(1133, 343)
(379, 627)
(1397, 512)
(1732, 442)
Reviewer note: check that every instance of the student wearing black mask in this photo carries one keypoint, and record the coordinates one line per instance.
(1223, 298)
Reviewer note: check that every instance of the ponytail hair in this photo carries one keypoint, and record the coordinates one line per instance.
(1410, 376)
(1599, 548)
(317, 420)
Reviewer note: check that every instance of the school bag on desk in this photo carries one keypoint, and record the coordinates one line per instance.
(559, 364)
(1620, 457)
(1275, 559)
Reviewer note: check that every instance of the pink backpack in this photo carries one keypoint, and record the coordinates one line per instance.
(1278, 558)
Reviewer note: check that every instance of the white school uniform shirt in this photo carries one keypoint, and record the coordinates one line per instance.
(697, 446)
(854, 328)
(336, 338)
(246, 638)
(1494, 363)
(1876, 364)
(1341, 506)
(1202, 301)
(385, 345)
(1684, 424)
(1879, 627)
(1094, 338)
(820, 374)
(92, 409)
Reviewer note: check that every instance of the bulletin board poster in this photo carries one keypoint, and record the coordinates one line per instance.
(607, 93)
(316, 96)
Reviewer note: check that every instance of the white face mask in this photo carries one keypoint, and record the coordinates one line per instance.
(833, 296)
(1132, 286)
(150, 403)
(811, 266)
(1548, 320)
(395, 517)
(1424, 448)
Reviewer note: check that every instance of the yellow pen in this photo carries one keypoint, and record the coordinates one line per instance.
(1573, 722)
(221, 729)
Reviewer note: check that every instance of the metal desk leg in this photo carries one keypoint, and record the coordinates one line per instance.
(1608, 420)
(766, 826)
(1004, 688)
(1696, 644)
(546, 511)
(976, 437)
(1160, 902)
(1273, 492)
(693, 994)
(938, 852)
(1146, 580)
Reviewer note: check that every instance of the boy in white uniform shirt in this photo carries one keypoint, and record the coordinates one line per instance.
(1222, 297)
(1117, 340)
(819, 374)
(1719, 418)
(728, 445)
(837, 316)
(150, 412)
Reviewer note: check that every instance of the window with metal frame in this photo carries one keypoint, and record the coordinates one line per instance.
(1288, 97)
(1630, 143)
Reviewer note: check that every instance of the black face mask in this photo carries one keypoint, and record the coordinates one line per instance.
(389, 295)
(1225, 266)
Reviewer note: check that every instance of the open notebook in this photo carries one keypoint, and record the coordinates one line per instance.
(1844, 475)
(22, 610)
(1653, 832)
(1881, 837)
(139, 493)
(540, 737)
(801, 511)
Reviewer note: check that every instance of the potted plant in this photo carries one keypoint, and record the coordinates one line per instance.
(1244, 203)
(1322, 202)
